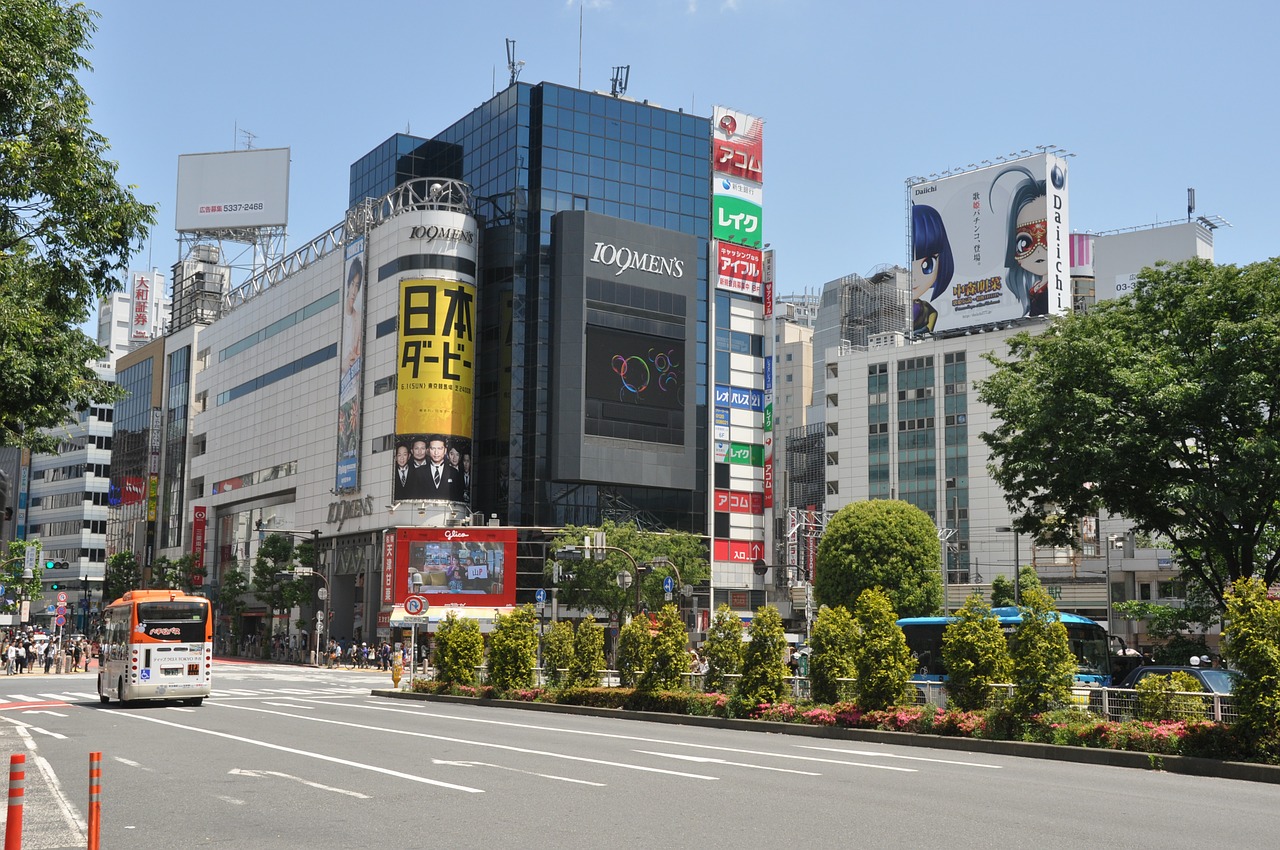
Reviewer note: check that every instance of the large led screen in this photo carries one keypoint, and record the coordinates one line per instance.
(635, 385)
(456, 566)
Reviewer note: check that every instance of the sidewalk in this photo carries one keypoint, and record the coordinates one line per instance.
(53, 671)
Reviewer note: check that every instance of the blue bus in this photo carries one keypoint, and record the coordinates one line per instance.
(1088, 641)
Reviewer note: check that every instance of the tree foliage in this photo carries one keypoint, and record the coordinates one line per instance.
(557, 652)
(594, 585)
(883, 664)
(1171, 697)
(1251, 642)
(635, 651)
(670, 653)
(231, 598)
(1043, 667)
(1001, 592)
(975, 653)
(834, 644)
(67, 227)
(722, 650)
(123, 574)
(16, 588)
(459, 650)
(178, 575)
(1181, 630)
(273, 583)
(1161, 407)
(882, 543)
(588, 654)
(513, 649)
(764, 670)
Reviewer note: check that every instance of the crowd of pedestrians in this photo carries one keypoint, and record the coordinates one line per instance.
(26, 651)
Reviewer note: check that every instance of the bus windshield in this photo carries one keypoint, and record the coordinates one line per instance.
(183, 622)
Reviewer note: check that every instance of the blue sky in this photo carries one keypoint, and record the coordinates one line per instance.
(1150, 97)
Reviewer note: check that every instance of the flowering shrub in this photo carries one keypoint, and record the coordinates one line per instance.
(819, 717)
(781, 712)
(906, 719)
(1071, 726)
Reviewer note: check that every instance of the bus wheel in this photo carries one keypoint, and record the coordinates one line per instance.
(194, 701)
(103, 697)
(120, 692)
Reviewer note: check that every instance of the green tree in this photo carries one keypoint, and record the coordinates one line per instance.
(635, 651)
(1171, 697)
(1001, 592)
(883, 665)
(594, 586)
(123, 574)
(764, 672)
(459, 650)
(588, 654)
(67, 227)
(1043, 667)
(670, 653)
(231, 600)
(722, 650)
(557, 652)
(1180, 631)
(16, 589)
(1251, 642)
(176, 575)
(513, 649)
(834, 644)
(976, 654)
(273, 582)
(1161, 407)
(882, 543)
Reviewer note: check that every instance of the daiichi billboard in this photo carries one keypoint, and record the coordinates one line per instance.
(990, 245)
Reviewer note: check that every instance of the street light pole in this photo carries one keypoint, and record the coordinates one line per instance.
(1017, 567)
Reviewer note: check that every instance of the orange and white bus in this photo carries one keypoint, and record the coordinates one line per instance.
(158, 646)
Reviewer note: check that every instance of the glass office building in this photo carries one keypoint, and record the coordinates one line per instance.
(530, 152)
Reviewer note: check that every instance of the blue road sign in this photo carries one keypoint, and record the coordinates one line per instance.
(668, 584)
(540, 595)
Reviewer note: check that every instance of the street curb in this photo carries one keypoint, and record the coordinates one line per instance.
(1184, 765)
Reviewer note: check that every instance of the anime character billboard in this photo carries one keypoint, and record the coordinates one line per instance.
(990, 245)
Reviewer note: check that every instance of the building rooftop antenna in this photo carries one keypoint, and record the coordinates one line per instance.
(249, 136)
(621, 74)
(512, 65)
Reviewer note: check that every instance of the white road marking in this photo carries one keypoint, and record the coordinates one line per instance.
(130, 763)
(41, 711)
(232, 800)
(281, 748)
(875, 754)
(308, 783)
(53, 735)
(377, 706)
(709, 760)
(488, 744)
(288, 705)
(518, 770)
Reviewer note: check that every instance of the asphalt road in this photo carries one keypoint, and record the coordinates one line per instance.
(290, 758)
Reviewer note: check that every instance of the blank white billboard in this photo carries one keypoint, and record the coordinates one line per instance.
(233, 189)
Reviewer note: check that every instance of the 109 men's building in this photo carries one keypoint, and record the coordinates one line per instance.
(511, 331)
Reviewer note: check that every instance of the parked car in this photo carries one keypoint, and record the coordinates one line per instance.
(1211, 679)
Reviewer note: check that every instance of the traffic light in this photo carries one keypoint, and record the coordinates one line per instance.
(56, 586)
(56, 565)
(48, 565)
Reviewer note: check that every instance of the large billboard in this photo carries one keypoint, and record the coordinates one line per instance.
(351, 367)
(635, 379)
(737, 144)
(435, 390)
(232, 189)
(468, 566)
(990, 245)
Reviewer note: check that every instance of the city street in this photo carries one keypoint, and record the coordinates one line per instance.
(287, 757)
